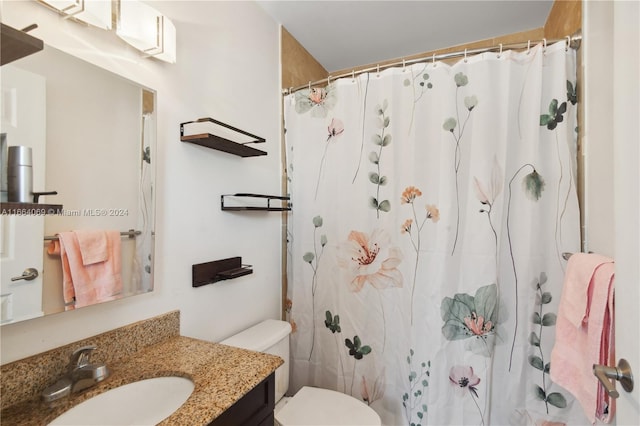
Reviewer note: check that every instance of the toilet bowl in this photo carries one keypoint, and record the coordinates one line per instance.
(310, 405)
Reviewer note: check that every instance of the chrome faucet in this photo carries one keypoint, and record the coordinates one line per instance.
(84, 374)
(81, 374)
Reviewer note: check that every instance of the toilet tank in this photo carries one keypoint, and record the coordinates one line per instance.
(272, 337)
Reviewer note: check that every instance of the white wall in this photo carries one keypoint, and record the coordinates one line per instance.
(227, 68)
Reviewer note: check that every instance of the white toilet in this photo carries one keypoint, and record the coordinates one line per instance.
(310, 406)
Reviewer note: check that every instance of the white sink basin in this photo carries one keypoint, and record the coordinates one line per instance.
(146, 402)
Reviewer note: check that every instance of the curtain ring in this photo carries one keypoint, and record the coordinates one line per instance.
(500, 54)
(328, 80)
(404, 65)
(465, 56)
(433, 60)
(544, 45)
(528, 46)
(568, 44)
(309, 85)
(378, 70)
(353, 75)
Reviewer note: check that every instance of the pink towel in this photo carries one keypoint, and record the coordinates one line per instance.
(91, 283)
(93, 246)
(584, 333)
(68, 293)
(606, 406)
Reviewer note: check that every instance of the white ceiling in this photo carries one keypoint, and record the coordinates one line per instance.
(346, 34)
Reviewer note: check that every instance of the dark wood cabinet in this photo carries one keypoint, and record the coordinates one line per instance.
(253, 409)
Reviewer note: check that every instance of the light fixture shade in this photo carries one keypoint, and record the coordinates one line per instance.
(146, 29)
(92, 12)
(168, 53)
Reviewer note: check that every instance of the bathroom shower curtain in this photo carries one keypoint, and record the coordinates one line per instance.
(432, 204)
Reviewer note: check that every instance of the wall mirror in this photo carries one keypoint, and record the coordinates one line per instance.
(92, 137)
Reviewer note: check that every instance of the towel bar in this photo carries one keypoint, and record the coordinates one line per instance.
(131, 233)
(566, 255)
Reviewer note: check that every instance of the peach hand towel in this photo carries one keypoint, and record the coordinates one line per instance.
(575, 299)
(582, 333)
(93, 246)
(56, 248)
(93, 283)
(606, 406)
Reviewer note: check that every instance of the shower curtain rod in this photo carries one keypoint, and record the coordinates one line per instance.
(572, 42)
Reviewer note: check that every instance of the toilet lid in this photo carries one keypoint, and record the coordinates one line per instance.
(315, 406)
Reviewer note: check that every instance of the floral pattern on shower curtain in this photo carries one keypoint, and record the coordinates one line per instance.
(431, 207)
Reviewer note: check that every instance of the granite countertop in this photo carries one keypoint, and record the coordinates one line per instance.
(221, 375)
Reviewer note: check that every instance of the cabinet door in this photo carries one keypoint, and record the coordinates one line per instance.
(255, 408)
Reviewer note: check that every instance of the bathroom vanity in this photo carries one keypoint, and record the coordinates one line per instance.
(232, 386)
(255, 408)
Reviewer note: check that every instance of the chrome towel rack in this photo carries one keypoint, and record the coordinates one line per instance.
(131, 233)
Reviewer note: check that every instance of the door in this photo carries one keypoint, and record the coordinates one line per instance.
(23, 113)
(611, 110)
(626, 134)
(21, 247)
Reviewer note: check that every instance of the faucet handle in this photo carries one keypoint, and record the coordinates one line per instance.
(80, 357)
